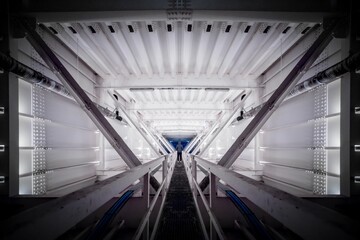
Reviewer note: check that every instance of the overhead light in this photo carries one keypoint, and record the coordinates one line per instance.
(217, 89)
(141, 89)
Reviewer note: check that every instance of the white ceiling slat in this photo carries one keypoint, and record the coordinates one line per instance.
(266, 49)
(155, 48)
(162, 96)
(218, 47)
(124, 47)
(251, 46)
(291, 37)
(89, 48)
(183, 95)
(135, 41)
(172, 49)
(200, 95)
(186, 50)
(240, 39)
(157, 96)
(267, 40)
(179, 63)
(78, 49)
(108, 48)
(93, 48)
(202, 48)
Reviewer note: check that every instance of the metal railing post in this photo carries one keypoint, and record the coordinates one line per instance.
(212, 199)
(146, 196)
(194, 174)
(164, 175)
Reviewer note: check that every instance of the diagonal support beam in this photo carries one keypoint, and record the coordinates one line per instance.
(82, 98)
(227, 122)
(276, 99)
(278, 96)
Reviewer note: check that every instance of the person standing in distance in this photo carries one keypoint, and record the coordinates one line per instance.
(179, 149)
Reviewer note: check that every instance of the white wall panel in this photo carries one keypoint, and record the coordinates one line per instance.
(334, 97)
(25, 185)
(292, 176)
(59, 136)
(296, 110)
(333, 125)
(333, 162)
(298, 136)
(25, 132)
(24, 96)
(59, 178)
(67, 111)
(25, 161)
(297, 158)
(60, 158)
(286, 187)
(332, 185)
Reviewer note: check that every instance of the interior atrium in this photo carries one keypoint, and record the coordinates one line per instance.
(179, 119)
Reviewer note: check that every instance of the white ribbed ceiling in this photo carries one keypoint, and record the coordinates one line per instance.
(174, 62)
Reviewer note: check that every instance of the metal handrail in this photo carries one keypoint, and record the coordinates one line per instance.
(192, 180)
(165, 184)
(213, 219)
(286, 208)
(74, 207)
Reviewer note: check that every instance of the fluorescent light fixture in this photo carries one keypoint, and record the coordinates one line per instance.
(2, 148)
(357, 110)
(2, 110)
(217, 89)
(357, 179)
(357, 148)
(141, 89)
(2, 179)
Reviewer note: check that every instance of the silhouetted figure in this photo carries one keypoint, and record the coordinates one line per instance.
(179, 149)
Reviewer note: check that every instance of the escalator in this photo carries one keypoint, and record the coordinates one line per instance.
(179, 219)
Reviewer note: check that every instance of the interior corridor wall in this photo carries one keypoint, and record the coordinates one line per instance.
(58, 143)
(300, 143)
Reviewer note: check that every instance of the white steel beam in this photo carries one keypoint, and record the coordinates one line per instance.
(191, 81)
(224, 124)
(207, 106)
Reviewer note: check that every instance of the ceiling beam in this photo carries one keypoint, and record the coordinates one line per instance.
(179, 81)
(83, 10)
(175, 106)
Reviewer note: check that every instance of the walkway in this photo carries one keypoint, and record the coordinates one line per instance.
(179, 219)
